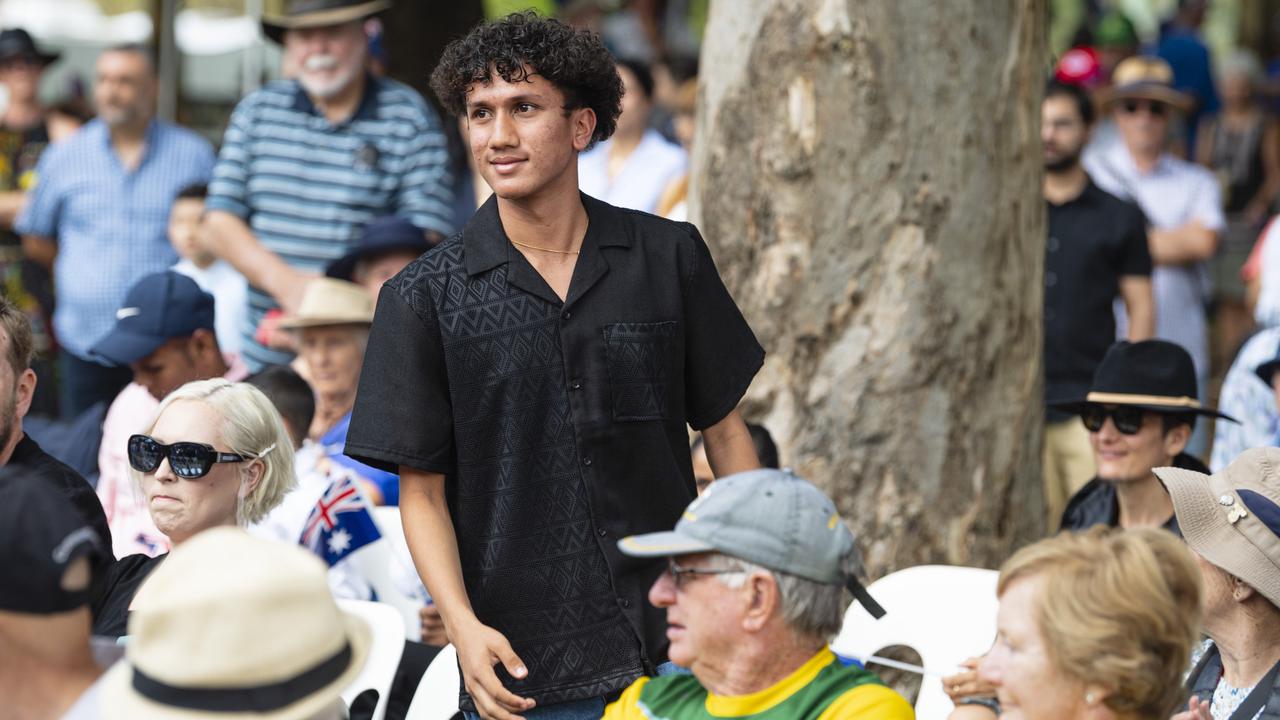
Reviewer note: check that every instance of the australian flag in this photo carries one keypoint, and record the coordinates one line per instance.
(340, 523)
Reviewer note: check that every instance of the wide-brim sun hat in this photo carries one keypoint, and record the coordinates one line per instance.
(301, 14)
(328, 301)
(1145, 78)
(232, 626)
(1154, 375)
(1232, 518)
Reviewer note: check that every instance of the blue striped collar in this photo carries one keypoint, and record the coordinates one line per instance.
(366, 110)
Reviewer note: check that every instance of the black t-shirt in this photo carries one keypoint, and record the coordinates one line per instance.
(560, 427)
(120, 583)
(75, 488)
(1094, 240)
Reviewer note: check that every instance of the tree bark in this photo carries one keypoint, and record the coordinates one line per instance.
(867, 173)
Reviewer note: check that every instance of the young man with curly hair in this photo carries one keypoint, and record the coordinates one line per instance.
(531, 379)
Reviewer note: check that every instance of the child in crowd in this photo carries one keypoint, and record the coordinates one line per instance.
(214, 276)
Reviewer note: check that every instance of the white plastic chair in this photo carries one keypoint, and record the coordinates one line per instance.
(944, 613)
(376, 562)
(437, 695)
(384, 654)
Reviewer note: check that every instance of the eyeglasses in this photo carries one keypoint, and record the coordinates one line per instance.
(189, 460)
(1155, 108)
(678, 574)
(1128, 419)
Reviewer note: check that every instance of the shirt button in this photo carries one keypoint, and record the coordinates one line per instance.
(586, 461)
(575, 385)
(624, 602)
(1053, 244)
(602, 532)
(1050, 279)
(566, 315)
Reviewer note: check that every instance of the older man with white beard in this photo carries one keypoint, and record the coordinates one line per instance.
(306, 163)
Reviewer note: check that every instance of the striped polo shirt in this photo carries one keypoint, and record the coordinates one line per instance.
(307, 187)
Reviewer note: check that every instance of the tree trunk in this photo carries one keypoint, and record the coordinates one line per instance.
(867, 173)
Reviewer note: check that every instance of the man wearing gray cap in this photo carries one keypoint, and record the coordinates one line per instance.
(755, 637)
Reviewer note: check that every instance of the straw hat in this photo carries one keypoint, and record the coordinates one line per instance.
(327, 301)
(1232, 518)
(1145, 78)
(232, 626)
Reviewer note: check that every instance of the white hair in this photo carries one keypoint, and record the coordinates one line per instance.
(252, 427)
(1241, 62)
(810, 609)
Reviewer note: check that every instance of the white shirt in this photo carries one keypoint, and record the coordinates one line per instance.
(1174, 193)
(230, 294)
(645, 174)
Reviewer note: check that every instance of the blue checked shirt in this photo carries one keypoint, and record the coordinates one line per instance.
(110, 223)
(307, 187)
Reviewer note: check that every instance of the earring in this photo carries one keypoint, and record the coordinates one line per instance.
(1088, 698)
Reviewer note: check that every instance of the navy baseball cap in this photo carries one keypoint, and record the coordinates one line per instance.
(391, 233)
(157, 309)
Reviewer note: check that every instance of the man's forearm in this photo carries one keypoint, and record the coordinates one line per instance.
(729, 447)
(231, 239)
(1139, 306)
(428, 529)
(40, 250)
(10, 207)
(1189, 243)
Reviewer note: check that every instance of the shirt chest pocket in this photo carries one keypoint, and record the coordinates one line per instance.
(641, 363)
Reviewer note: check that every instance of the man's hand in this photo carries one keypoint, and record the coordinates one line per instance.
(433, 632)
(967, 683)
(480, 648)
(1197, 709)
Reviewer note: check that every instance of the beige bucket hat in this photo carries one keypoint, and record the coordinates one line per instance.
(232, 626)
(327, 301)
(1232, 518)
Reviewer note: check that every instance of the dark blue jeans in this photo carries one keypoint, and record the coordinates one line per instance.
(86, 383)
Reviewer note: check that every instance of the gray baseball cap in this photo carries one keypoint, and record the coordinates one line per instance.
(772, 518)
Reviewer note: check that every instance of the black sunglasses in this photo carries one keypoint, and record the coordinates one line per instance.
(1128, 419)
(189, 460)
(1155, 108)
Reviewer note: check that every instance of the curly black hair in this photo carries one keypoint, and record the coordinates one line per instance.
(524, 44)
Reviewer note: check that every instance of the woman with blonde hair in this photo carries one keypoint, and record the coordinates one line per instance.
(1095, 625)
(216, 454)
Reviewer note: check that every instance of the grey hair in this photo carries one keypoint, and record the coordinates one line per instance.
(1241, 62)
(810, 609)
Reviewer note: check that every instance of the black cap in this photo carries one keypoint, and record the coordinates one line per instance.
(17, 43)
(41, 537)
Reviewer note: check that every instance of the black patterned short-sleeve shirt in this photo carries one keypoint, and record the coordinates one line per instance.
(559, 426)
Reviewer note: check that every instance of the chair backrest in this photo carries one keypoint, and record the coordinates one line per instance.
(377, 562)
(946, 614)
(437, 695)
(384, 653)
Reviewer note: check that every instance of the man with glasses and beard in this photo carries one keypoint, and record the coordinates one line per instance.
(1139, 412)
(307, 163)
(1096, 252)
(17, 387)
(1182, 203)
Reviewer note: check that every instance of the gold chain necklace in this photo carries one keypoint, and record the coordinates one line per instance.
(542, 249)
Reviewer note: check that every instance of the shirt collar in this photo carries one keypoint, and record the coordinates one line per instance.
(364, 111)
(486, 245)
(772, 696)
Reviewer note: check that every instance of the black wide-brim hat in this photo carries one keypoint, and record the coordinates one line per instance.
(1153, 375)
(319, 13)
(388, 234)
(17, 42)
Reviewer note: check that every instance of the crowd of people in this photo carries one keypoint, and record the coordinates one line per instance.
(216, 365)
